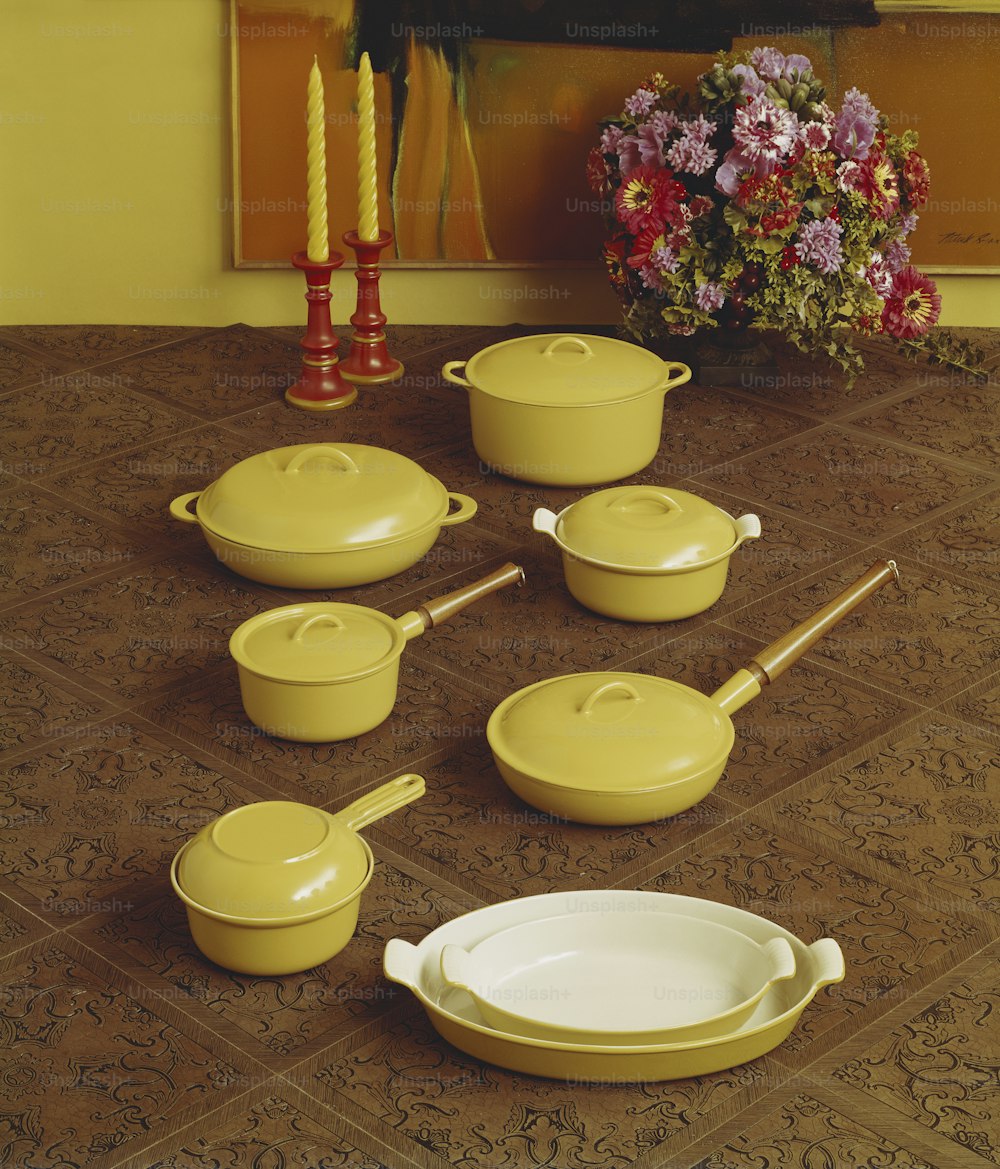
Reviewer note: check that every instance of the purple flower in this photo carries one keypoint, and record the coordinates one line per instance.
(710, 296)
(795, 66)
(628, 154)
(610, 139)
(640, 103)
(763, 130)
(897, 256)
(769, 63)
(752, 84)
(908, 223)
(729, 176)
(650, 145)
(651, 278)
(665, 259)
(819, 244)
(855, 125)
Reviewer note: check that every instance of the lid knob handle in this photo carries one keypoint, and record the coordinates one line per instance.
(578, 343)
(318, 619)
(657, 495)
(605, 688)
(324, 451)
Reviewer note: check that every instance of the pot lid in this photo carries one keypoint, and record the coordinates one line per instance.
(561, 369)
(646, 527)
(322, 498)
(610, 732)
(321, 641)
(275, 860)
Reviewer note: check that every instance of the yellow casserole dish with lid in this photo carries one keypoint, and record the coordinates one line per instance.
(326, 515)
(646, 553)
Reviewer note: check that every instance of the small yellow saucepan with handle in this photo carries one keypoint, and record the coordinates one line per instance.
(627, 748)
(324, 671)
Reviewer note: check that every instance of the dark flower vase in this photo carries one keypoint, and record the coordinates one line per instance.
(734, 357)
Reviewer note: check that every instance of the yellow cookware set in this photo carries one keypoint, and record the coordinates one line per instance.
(275, 887)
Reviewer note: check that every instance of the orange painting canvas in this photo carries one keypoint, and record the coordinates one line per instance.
(482, 145)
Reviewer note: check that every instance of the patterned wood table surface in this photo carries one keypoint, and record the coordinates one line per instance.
(860, 800)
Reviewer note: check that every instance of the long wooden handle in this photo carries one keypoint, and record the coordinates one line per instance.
(779, 655)
(434, 612)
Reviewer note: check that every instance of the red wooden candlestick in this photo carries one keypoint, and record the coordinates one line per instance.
(320, 385)
(368, 361)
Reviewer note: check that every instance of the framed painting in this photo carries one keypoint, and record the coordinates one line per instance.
(484, 122)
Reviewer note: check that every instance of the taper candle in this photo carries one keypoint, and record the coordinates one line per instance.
(318, 248)
(367, 169)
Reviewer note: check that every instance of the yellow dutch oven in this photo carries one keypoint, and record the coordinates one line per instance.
(566, 410)
(322, 516)
(275, 887)
(624, 748)
(325, 671)
(646, 553)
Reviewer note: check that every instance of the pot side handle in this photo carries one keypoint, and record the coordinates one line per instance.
(545, 521)
(179, 507)
(829, 961)
(467, 508)
(780, 959)
(447, 372)
(380, 802)
(677, 374)
(321, 451)
(399, 962)
(457, 967)
(747, 528)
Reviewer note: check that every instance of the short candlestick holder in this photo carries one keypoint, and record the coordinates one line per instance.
(321, 385)
(369, 361)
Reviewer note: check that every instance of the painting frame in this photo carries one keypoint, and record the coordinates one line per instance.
(243, 197)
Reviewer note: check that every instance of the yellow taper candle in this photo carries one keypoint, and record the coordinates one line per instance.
(367, 169)
(319, 238)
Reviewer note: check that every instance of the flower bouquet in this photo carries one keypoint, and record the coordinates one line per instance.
(754, 203)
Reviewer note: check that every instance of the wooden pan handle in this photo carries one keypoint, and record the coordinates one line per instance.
(779, 655)
(434, 612)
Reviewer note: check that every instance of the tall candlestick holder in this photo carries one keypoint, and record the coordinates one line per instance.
(369, 361)
(321, 385)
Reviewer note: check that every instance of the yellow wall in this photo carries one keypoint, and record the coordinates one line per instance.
(114, 204)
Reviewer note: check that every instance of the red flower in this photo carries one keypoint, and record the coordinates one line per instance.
(648, 197)
(912, 306)
(597, 171)
(917, 176)
(789, 258)
(877, 180)
(614, 257)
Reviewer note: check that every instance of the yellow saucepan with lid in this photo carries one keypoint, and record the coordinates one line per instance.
(324, 671)
(646, 553)
(626, 748)
(275, 887)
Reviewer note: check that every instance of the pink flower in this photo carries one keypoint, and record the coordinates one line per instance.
(763, 130)
(691, 154)
(815, 135)
(709, 296)
(769, 63)
(640, 103)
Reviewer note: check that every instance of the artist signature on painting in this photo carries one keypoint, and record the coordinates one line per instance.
(978, 239)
